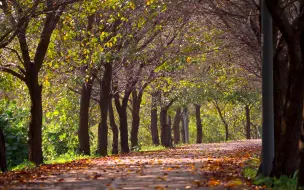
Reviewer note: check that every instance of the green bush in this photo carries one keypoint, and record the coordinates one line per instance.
(14, 125)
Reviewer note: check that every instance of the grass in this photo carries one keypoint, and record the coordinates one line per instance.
(67, 158)
(151, 148)
(251, 167)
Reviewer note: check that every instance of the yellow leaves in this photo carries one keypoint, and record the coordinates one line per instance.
(149, 2)
(188, 59)
(235, 182)
(132, 5)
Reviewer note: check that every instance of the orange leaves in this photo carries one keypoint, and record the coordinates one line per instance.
(182, 168)
(214, 182)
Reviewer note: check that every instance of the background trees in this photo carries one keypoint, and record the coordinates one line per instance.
(154, 72)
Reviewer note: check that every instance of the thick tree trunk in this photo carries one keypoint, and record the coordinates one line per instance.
(114, 129)
(199, 126)
(248, 130)
(105, 98)
(35, 128)
(136, 101)
(154, 129)
(83, 131)
(3, 165)
(223, 120)
(286, 158)
(176, 127)
(301, 167)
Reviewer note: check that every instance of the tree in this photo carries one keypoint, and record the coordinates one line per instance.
(286, 157)
(198, 123)
(29, 66)
(176, 125)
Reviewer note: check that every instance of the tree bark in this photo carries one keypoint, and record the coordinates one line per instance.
(186, 125)
(248, 130)
(164, 128)
(3, 165)
(114, 129)
(286, 158)
(223, 120)
(176, 127)
(105, 98)
(83, 131)
(136, 101)
(35, 128)
(199, 126)
(154, 129)
(123, 121)
(183, 131)
(169, 132)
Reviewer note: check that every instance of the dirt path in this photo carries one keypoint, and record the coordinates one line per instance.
(201, 166)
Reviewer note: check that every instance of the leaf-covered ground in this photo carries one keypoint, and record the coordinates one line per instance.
(203, 166)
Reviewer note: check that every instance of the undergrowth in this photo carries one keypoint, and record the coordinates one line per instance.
(250, 170)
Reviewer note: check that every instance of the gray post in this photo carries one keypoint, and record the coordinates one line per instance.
(267, 92)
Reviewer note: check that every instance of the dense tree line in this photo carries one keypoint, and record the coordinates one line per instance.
(146, 70)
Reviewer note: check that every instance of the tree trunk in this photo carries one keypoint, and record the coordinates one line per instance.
(123, 121)
(83, 131)
(135, 117)
(199, 126)
(154, 129)
(164, 128)
(35, 127)
(248, 130)
(3, 165)
(186, 125)
(114, 129)
(169, 131)
(105, 98)
(286, 158)
(223, 120)
(183, 131)
(176, 127)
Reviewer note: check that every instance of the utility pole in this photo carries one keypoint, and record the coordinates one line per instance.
(267, 91)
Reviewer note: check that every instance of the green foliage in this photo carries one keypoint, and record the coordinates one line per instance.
(284, 182)
(60, 127)
(25, 165)
(13, 121)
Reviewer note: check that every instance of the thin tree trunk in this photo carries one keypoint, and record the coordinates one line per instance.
(169, 131)
(35, 128)
(3, 165)
(176, 127)
(199, 126)
(248, 130)
(154, 129)
(135, 117)
(123, 121)
(183, 131)
(83, 131)
(164, 128)
(105, 98)
(223, 119)
(186, 125)
(114, 129)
